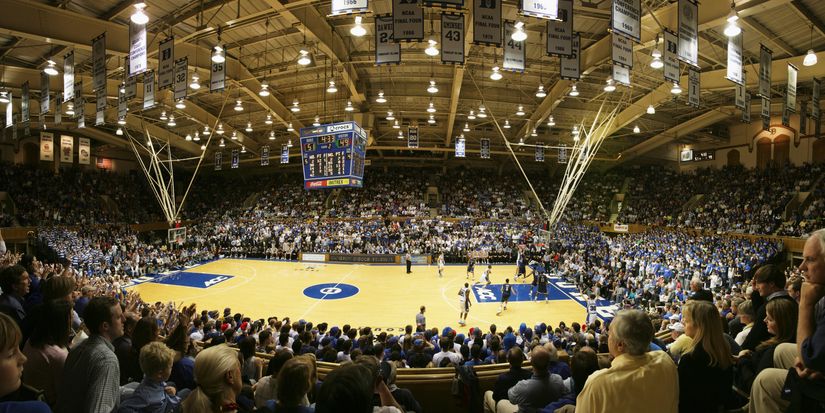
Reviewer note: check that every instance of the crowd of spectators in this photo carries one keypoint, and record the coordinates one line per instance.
(386, 193)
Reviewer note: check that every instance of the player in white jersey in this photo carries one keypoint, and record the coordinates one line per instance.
(440, 265)
(485, 276)
(591, 309)
(506, 291)
(464, 303)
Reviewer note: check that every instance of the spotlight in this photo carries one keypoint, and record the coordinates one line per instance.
(50, 69)
(218, 55)
(358, 30)
(304, 59)
(574, 91)
(264, 89)
(139, 17)
(540, 93)
(432, 88)
(380, 98)
(496, 75)
(349, 107)
(651, 110)
(331, 88)
(196, 82)
(431, 50)
(519, 35)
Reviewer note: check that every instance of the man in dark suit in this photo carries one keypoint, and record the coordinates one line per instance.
(768, 284)
(699, 293)
(507, 380)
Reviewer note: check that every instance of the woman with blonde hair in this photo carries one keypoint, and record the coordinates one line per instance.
(218, 375)
(781, 317)
(706, 367)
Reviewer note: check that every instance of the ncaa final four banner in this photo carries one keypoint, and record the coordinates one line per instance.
(734, 70)
(46, 146)
(487, 22)
(386, 49)
(452, 38)
(349, 7)
(407, 20)
(570, 66)
(540, 9)
(622, 51)
(765, 71)
(560, 32)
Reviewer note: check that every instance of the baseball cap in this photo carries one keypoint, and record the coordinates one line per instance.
(677, 327)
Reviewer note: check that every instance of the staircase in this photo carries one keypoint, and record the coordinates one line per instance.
(616, 205)
(693, 202)
(7, 207)
(252, 199)
(109, 205)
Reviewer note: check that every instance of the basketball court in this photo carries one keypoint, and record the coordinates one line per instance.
(380, 296)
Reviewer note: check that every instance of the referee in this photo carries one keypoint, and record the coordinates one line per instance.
(408, 258)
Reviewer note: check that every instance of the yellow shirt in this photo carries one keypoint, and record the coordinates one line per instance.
(678, 347)
(633, 384)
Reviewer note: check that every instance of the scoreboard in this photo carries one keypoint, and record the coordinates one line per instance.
(333, 155)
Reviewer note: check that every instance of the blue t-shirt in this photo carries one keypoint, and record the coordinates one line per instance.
(24, 407)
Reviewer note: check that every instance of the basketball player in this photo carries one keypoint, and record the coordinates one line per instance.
(485, 276)
(521, 263)
(591, 309)
(464, 303)
(440, 265)
(541, 286)
(506, 291)
(471, 269)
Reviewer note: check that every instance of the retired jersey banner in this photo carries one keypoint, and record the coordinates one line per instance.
(485, 148)
(217, 80)
(621, 75)
(412, 137)
(815, 99)
(540, 153)
(99, 62)
(181, 77)
(790, 93)
(452, 38)
(284, 154)
(148, 89)
(487, 22)
(765, 61)
(84, 151)
(24, 103)
(622, 51)
(571, 66)
(68, 76)
(218, 160)
(349, 7)
(514, 52)
(689, 32)
(46, 146)
(66, 149)
(265, 155)
(741, 90)
(166, 63)
(560, 32)
(746, 111)
(407, 20)
(693, 87)
(735, 70)
(236, 159)
(670, 57)
(386, 49)
(626, 18)
(540, 9)
(459, 148)
(137, 48)
(562, 154)
(44, 93)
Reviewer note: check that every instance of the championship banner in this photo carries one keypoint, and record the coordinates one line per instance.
(46, 146)
(786, 114)
(485, 148)
(766, 113)
(131, 84)
(284, 154)
(122, 105)
(236, 160)
(181, 69)
(84, 152)
(148, 89)
(349, 7)
(765, 60)
(570, 66)
(58, 108)
(487, 22)
(670, 57)
(514, 52)
(459, 148)
(621, 75)
(452, 38)
(766, 123)
(560, 32)
(627, 18)
(693, 87)
(456, 4)
(10, 111)
(386, 49)
(734, 72)
(44, 93)
(99, 62)
(79, 104)
(539, 153)
(689, 32)
(746, 111)
(166, 63)
(803, 118)
(540, 9)
(68, 76)
(137, 48)
(407, 20)
(815, 99)
(217, 80)
(265, 155)
(622, 51)
(100, 118)
(741, 90)
(66, 149)
(562, 158)
(790, 91)
(218, 160)
(412, 137)
(100, 105)
(24, 103)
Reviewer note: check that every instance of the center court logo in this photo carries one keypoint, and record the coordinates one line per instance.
(330, 291)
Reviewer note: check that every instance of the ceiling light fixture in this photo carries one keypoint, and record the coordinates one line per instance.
(534, 133)
(332, 88)
(295, 108)
(400, 135)
(431, 50)
(51, 68)
(390, 116)
(496, 75)
(163, 115)
(139, 17)
(222, 143)
(238, 106)
(810, 57)
(395, 125)
(349, 107)
(431, 108)
(119, 132)
(380, 98)
(289, 143)
(432, 88)
(268, 120)
(303, 58)
(519, 35)
(676, 89)
(171, 122)
(197, 137)
(220, 130)
(196, 82)
(520, 141)
(472, 115)
(188, 137)
(264, 89)
(540, 93)
(69, 108)
(550, 121)
(121, 121)
(431, 120)
(520, 110)
(657, 62)
(636, 129)
(180, 104)
(651, 110)
(466, 127)
(610, 85)
(358, 30)
(243, 149)
(482, 112)
(289, 127)
(203, 147)
(506, 124)
(234, 135)
(574, 91)
(272, 135)
(317, 121)
(248, 127)
(218, 55)
(732, 29)
(4, 97)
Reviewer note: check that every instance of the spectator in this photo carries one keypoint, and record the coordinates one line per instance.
(404, 397)
(556, 366)
(15, 397)
(746, 317)
(267, 388)
(505, 381)
(14, 282)
(769, 284)
(681, 341)
(251, 366)
(541, 389)
(643, 381)
(706, 367)
(91, 373)
(583, 363)
(294, 382)
(218, 374)
(146, 331)
(699, 292)
(48, 347)
(153, 395)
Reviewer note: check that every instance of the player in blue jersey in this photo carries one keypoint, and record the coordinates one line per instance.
(471, 269)
(521, 264)
(541, 286)
(506, 291)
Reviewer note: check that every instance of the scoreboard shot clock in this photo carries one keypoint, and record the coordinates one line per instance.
(333, 155)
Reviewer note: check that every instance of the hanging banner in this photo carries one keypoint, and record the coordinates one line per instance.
(689, 32)
(765, 109)
(137, 48)
(621, 75)
(734, 72)
(452, 38)
(236, 160)
(766, 123)
(10, 111)
(99, 62)
(46, 146)
(349, 7)
(100, 118)
(670, 57)
(386, 49)
(627, 18)
(786, 114)
(44, 94)
(265, 155)
(790, 91)
(803, 118)
(570, 66)
(487, 22)
(131, 86)
(412, 137)
(218, 160)
(459, 148)
(457, 4)
(815, 99)
(540, 9)
(765, 60)
(66, 149)
(84, 151)
(122, 105)
(148, 89)
(100, 104)
(560, 32)
(693, 87)
(746, 111)
(24, 103)
(739, 99)
(68, 76)
(514, 52)
(79, 104)
(166, 63)
(217, 80)
(562, 158)
(540, 153)
(485, 148)
(284, 154)
(407, 20)
(622, 51)
(817, 129)
(181, 68)
(58, 108)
